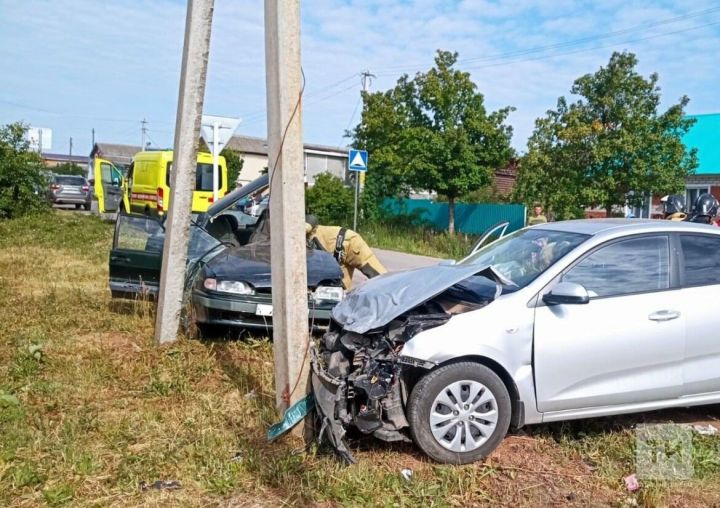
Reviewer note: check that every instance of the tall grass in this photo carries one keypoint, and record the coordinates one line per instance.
(418, 240)
(90, 408)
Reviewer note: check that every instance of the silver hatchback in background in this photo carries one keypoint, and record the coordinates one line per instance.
(70, 190)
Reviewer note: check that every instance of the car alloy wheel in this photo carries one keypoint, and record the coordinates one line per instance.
(459, 413)
(463, 416)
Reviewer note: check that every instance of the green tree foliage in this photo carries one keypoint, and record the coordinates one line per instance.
(432, 132)
(330, 201)
(69, 168)
(22, 175)
(608, 148)
(234, 162)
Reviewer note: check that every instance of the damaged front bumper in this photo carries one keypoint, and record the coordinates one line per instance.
(361, 381)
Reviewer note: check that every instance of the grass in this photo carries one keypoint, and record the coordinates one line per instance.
(90, 408)
(418, 240)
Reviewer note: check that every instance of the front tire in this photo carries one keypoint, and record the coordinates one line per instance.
(459, 413)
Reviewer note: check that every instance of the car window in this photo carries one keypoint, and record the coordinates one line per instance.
(70, 180)
(702, 259)
(630, 266)
(139, 233)
(203, 176)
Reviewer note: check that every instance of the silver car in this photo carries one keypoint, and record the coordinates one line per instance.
(70, 190)
(555, 322)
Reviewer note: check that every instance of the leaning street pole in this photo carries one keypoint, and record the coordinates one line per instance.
(287, 201)
(198, 23)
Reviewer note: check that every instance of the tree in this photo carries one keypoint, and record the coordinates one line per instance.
(609, 148)
(330, 200)
(22, 175)
(432, 133)
(234, 163)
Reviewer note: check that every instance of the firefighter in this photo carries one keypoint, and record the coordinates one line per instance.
(349, 249)
(705, 209)
(673, 207)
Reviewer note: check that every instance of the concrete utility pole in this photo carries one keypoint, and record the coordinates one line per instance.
(287, 201)
(198, 23)
(71, 148)
(93, 138)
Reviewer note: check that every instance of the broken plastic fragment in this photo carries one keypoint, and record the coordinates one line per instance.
(632, 483)
(292, 416)
(407, 474)
(161, 485)
(705, 430)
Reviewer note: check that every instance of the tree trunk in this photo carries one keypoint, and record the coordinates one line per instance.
(608, 211)
(451, 215)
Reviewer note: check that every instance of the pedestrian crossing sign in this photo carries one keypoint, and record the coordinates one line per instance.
(357, 160)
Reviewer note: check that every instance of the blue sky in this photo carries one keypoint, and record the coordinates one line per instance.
(72, 65)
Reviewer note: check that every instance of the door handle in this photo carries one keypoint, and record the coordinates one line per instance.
(664, 315)
(120, 258)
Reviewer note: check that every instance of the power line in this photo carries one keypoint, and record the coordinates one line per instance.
(574, 42)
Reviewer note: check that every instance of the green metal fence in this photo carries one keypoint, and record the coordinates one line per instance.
(469, 218)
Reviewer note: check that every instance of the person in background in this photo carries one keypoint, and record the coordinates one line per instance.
(673, 207)
(348, 247)
(538, 217)
(705, 209)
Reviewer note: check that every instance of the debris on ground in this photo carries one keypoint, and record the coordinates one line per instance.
(705, 430)
(292, 416)
(407, 474)
(252, 394)
(632, 483)
(161, 485)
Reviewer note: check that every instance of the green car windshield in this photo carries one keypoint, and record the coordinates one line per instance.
(522, 256)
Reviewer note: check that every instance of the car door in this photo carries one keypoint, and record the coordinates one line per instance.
(136, 256)
(700, 298)
(108, 186)
(626, 345)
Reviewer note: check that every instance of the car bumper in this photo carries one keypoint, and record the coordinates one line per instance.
(71, 199)
(242, 311)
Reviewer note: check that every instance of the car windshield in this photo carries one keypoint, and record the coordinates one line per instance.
(525, 254)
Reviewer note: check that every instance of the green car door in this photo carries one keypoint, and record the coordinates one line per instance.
(136, 257)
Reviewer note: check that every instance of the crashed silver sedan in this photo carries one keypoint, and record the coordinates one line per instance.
(554, 322)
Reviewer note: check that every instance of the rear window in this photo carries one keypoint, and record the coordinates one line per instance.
(702, 259)
(70, 180)
(203, 177)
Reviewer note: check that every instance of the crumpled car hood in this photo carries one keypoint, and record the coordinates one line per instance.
(251, 263)
(382, 299)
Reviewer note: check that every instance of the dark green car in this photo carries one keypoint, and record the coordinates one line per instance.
(228, 272)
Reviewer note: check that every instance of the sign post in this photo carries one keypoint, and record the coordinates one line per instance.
(217, 131)
(357, 163)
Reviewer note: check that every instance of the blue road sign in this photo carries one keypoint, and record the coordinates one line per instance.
(357, 160)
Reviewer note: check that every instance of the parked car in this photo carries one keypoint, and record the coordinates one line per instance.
(69, 190)
(554, 322)
(228, 274)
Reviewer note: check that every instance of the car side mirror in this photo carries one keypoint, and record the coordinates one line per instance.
(567, 293)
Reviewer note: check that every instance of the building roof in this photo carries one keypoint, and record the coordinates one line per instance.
(705, 136)
(63, 157)
(258, 146)
(119, 154)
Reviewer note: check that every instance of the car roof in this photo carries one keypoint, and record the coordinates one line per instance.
(626, 226)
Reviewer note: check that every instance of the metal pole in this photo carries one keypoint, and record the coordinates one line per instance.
(287, 202)
(70, 149)
(216, 178)
(357, 191)
(198, 23)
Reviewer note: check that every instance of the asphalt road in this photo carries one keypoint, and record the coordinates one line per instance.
(396, 261)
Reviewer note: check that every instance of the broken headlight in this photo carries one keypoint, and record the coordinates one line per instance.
(328, 293)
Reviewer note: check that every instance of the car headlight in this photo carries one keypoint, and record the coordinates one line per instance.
(328, 293)
(229, 286)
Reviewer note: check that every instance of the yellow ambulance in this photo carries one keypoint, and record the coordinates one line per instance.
(149, 182)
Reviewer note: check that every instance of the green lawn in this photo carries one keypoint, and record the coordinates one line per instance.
(90, 408)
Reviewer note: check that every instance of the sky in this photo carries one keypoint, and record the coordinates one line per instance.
(75, 65)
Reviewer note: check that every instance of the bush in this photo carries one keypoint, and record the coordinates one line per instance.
(22, 174)
(330, 201)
